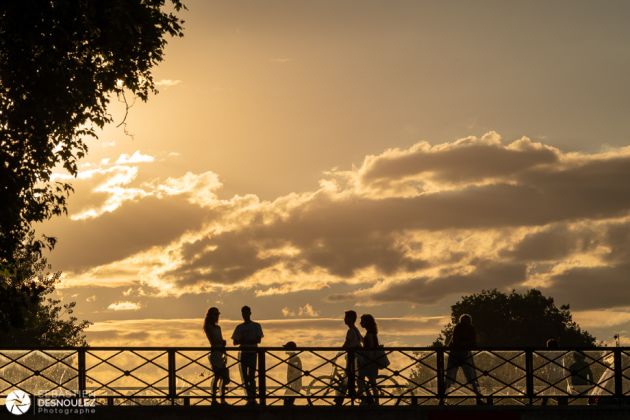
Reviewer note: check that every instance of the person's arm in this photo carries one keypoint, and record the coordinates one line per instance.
(369, 341)
(260, 334)
(236, 336)
(451, 339)
(346, 344)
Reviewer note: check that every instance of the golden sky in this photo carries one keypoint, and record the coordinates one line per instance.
(309, 157)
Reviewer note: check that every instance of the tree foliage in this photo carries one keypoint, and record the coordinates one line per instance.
(517, 320)
(60, 63)
(31, 315)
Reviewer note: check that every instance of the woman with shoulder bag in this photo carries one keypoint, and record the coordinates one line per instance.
(369, 363)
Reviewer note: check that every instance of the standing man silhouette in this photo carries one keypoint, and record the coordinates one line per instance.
(247, 336)
(351, 344)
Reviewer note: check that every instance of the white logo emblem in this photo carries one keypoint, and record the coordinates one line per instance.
(18, 402)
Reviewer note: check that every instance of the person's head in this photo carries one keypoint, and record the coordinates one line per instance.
(290, 346)
(350, 318)
(369, 323)
(552, 343)
(246, 312)
(212, 318)
(465, 319)
(578, 356)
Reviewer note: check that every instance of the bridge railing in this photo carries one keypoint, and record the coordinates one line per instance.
(324, 376)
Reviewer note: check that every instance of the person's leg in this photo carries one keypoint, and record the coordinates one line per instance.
(215, 379)
(351, 387)
(452, 365)
(251, 376)
(374, 389)
(362, 392)
(470, 372)
(242, 366)
(342, 386)
(225, 380)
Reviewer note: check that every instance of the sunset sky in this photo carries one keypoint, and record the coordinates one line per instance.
(307, 157)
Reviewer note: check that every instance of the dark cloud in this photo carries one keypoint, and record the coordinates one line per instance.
(487, 275)
(592, 287)
(553, 243)
(340, 244)
(618, 239)
(467, 161)
(133, 227)
(229, 258)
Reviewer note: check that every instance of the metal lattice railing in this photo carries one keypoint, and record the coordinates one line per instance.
(324, 376)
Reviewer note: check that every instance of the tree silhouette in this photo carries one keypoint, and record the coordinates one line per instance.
(61, 62)
(30, 315)
(517, 320)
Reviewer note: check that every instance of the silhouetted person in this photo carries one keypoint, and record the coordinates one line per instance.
(218, 358)
(351, 344)
(368, 367)
(581, 374)
(247, 336)
(294, 374)
(462, 341)
(555, 373)
(217, 353)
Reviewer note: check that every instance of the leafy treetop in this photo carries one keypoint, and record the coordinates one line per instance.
(60, 62)
(517, 320)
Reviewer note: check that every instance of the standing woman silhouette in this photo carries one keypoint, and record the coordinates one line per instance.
(218, 357)
(368, 368)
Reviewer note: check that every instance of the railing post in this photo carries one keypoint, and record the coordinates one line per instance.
(172, 376)
(529, 375)
(262, 377)
(441, 386)
(618, 374)
(81, 372)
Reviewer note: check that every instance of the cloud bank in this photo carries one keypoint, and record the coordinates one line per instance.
(418, 225)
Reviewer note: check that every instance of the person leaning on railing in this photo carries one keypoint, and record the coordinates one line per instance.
(463, 339)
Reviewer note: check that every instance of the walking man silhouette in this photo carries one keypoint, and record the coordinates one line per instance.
(463, 339)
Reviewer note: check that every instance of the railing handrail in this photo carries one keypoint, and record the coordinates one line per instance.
(310, 348)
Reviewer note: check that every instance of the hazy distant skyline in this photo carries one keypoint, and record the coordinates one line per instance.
(307, 157)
